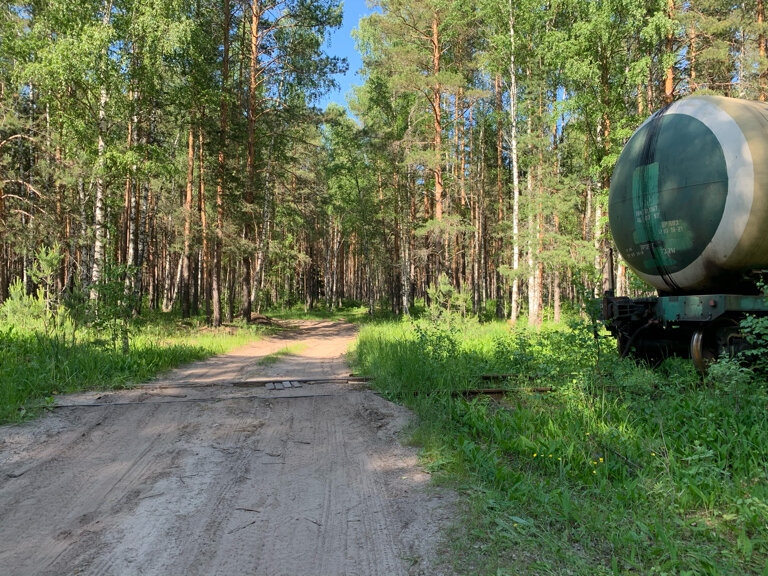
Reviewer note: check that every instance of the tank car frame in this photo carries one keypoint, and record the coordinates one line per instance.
(700, 327)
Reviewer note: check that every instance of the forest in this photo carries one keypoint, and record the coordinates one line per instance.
(169, 176)
(175, 147)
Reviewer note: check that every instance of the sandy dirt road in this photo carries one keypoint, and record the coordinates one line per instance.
(213, 470)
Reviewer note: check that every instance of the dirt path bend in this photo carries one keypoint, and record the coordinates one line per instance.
(215, 470)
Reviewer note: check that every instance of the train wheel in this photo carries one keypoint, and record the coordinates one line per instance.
(703, 352)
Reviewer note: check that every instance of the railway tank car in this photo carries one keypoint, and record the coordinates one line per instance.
(688, 211)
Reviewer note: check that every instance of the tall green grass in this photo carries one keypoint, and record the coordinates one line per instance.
(352, 311)
(619, 470)
(36, 363)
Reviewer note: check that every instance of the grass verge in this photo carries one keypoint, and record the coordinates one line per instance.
(619, 470)
(35, 365)
(350, 311)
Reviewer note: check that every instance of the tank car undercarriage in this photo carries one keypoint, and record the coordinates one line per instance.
(700, 327)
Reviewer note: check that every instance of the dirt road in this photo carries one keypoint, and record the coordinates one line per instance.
(215, 470)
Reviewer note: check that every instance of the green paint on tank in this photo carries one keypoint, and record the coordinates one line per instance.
(668, 194)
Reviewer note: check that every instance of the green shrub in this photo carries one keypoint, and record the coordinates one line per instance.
(21, 311)
(755, 330)
(729, 374)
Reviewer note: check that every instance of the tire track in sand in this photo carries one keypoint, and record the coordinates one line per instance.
(270, 484)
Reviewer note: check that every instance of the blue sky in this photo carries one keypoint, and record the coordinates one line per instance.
(342, 44)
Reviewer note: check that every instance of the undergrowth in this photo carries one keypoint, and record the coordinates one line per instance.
(44, 351)
(349, 311)
(619, 469)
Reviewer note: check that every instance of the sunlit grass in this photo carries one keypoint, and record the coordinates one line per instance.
(352, 312)
(35, 365)
(275, 357)
(349, 311)
(619, 470)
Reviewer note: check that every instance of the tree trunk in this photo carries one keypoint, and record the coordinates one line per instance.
(231, 271)
(481, 223)
(405, 257)
(126, 236)
(540, 228)
(266, 218)
(621, 279)
(514, 304)
(99, 223)
(185, 258)
(145, 227)
(86, 272)
(438, 141)
(669, 80)
(598, 245)
(167, 286)
(248, 231)
(222, 165)
(499, 199)
(532, 296)
(692, 58)
(203, 224)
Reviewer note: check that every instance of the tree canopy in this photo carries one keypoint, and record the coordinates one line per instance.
(176, 146)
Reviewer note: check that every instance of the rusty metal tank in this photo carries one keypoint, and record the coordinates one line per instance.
(688, 205)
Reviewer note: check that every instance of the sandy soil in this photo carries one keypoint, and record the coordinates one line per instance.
(212, 470)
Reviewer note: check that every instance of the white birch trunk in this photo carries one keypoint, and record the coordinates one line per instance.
(515, 169)
(98, 219)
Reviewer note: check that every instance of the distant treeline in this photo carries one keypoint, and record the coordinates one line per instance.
(174, 146)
